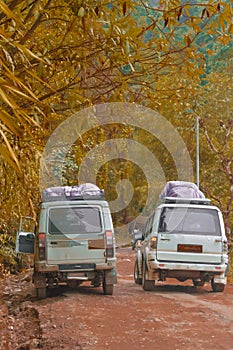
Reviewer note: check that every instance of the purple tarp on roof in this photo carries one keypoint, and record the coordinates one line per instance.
(68, 192)
(181, 189)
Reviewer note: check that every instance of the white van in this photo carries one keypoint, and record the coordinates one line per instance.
(74, 242)
(183, 239)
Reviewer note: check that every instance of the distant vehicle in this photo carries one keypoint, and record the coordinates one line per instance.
(74, 241)
(185, 239)
(136, 230)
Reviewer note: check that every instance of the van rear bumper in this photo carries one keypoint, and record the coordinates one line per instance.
(163, 265)
(43, 267)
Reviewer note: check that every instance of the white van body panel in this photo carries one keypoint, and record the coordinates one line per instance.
(71, 247)
(184, 241)
(73, 242)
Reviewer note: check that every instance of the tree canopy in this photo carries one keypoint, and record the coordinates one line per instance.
(59, 57)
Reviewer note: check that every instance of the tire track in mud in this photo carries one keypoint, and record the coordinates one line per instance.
(185, 300)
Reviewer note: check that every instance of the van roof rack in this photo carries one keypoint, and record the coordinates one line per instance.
(86, 197)
(182, 200)
(47, 197)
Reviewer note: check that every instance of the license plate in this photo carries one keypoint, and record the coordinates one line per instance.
(189, 248)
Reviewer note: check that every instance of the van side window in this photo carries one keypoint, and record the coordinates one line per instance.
(146, 229)
(149, 225)
(156, 219)
(151, 222)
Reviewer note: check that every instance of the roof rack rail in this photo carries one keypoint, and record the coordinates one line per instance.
(74, 198)
(87, 197)
(202, 201)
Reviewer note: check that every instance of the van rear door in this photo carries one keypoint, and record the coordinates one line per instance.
(189, 234)
(75, 234)
(25, 236)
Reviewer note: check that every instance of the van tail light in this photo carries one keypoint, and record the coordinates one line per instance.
(153, 242)
(109, 244)
(42, 246)
(224, 246)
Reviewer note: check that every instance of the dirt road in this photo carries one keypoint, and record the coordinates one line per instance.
(176, 316)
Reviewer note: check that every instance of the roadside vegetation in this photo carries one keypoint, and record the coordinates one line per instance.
(59, 57)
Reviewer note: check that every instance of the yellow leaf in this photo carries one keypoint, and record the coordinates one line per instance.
(221, 21)
(224, 39)
(9, 122)
(17, 91)
(17, 111)
(230, 29)
(81, 12)
(26, 51)
(12, 77)
(6, 156)
(11, 153)
(9, 13)
(210, 52)
(40, 80)
(8, 100)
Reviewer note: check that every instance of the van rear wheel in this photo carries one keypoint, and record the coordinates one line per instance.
(217, 287)
(137, 278)
(108, 288)
(147, 285)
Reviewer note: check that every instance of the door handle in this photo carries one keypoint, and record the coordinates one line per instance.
(53, 243)
(165, 239)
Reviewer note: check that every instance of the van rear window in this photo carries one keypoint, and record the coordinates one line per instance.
(190, 221)
(74, 220)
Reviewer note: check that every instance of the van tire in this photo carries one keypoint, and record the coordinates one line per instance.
(147, 285)
(217, 287)
(108, 289)
(137, 279)
(41, 293)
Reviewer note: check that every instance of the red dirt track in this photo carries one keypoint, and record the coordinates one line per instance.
(175, 316)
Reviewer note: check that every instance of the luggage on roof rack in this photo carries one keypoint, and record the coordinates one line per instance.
(180, 200)
(61, 193)
(181, 189)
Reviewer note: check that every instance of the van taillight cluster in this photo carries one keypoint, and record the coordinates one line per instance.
(225, 247)
(109, 244)
(41, 246)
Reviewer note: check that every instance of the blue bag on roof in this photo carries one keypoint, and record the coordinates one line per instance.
(182, 189)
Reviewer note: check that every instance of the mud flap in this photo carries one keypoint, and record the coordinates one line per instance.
(220, 279)
(39, 280)
(110, 276)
